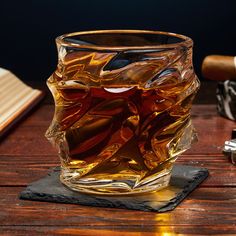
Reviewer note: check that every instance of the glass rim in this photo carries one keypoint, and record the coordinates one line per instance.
(186, 41)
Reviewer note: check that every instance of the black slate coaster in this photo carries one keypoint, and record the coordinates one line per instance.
(184, 179)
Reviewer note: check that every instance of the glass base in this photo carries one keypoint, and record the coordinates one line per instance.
(115, 184)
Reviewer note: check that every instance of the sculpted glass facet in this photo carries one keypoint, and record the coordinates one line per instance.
(122, 108)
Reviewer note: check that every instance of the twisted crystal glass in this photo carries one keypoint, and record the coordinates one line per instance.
(122, 108)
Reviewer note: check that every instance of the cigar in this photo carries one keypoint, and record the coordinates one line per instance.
(220, 68)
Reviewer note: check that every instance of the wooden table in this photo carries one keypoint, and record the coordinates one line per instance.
(25, 156)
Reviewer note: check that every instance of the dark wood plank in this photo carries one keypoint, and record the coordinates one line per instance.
(26, 155)
(40, 117)
(27, 141)
(137, 230)
(28, 138)
(23, 170)
(30, 159)
(203, 207)
(212, 132)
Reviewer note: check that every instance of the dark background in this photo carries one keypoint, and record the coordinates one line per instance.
(28, 28)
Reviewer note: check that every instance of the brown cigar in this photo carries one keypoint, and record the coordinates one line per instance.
(216, 67)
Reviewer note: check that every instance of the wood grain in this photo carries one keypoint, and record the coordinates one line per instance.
(192, 211)
(206, 121)
(222, 172)
(138, 230)
(26, 155)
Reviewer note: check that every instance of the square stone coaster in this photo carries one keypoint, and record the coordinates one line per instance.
(184, 180)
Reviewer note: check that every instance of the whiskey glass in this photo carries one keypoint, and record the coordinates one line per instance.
(122, 109)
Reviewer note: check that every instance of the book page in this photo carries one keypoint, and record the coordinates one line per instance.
(15, 97)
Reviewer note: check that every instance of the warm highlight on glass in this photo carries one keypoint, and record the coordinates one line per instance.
(122, 108)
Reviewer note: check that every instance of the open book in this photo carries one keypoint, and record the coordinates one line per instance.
(16, 99)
